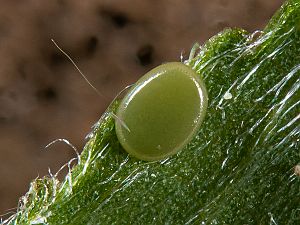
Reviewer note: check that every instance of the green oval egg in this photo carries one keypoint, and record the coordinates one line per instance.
(162, 112)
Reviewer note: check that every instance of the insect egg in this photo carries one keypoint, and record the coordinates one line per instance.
(162, 112)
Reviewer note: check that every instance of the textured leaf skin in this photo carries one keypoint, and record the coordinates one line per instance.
(239, 169)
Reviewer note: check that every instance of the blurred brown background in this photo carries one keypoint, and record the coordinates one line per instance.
(42, 96)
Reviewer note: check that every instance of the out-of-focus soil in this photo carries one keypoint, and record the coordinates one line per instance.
(42, 96)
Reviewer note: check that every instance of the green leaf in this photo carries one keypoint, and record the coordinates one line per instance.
(241, 168)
